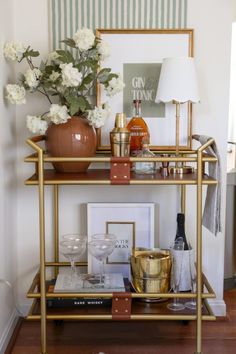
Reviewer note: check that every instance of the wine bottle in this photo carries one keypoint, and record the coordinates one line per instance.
(181, 230)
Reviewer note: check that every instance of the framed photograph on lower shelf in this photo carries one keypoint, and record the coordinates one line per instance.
(131, 223)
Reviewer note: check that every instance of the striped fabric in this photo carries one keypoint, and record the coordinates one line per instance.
(66, 16)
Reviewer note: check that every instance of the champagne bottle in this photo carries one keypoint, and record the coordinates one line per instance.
(181, 230)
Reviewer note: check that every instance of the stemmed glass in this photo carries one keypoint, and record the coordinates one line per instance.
(192, 305)
(74, 237)
(72, 249)
(177, 252)
(100, 247)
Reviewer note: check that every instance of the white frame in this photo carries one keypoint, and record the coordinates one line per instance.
(98, 214)
(147, 46)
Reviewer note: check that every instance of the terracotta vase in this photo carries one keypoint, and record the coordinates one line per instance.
(75, 138)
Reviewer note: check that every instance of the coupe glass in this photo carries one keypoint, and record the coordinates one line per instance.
(74, 237)
(100, 247)
(72, 249)
(177, 252)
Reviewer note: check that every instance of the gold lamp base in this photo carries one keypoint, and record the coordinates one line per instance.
(179, 170)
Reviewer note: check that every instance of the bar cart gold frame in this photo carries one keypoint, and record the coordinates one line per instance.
(44, 177)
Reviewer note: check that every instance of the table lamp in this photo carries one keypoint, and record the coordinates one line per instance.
(178, 84)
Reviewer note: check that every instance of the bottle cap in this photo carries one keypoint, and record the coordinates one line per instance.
(180, 217)
(120, 121)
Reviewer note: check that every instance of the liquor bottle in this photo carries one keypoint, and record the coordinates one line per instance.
(181, 230)
(138, 129)
(145, 167)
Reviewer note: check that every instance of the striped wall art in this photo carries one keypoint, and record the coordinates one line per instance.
(66, 16)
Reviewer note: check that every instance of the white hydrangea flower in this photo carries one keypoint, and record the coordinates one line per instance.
(52, 57)
(115, 86)
(71, 77)
(14, 50)
(54, 76)
(98, 115)
(32, 77)
(104, 50)
(36, 124)
(58, 114)
(84, 39)
(15, 94)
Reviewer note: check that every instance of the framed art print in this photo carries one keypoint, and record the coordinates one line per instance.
(131, 223)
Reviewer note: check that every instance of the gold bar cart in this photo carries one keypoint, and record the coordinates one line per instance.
(38, 290)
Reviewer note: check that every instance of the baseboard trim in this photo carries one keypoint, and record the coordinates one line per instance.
(218, 307)
(8, 331)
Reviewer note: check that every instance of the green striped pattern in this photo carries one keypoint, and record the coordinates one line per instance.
(66, 16)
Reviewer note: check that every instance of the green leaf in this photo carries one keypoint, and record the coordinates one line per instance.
(42, 66)
(70, 42)
(88, 105)
(81, 87)
(103, 75)
(31, 53)
(88, 79)
(92, 53)
(110, 76)
(82, 103)
(89, 63)
(74, 104)
(65, 56)
(49, 69)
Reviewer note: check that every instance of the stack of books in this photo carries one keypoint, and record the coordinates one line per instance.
(63, 284)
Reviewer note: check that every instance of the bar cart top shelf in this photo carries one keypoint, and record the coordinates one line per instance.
(102, 176)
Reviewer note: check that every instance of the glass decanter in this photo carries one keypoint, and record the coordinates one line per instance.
(145, 167)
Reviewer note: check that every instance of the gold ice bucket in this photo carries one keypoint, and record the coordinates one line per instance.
(150, 270)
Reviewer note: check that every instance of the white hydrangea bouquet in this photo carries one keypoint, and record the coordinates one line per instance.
(65, 80)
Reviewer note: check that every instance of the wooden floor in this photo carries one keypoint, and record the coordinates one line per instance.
(130, 338)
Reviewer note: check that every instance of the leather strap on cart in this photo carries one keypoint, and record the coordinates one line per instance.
(120, 170)
(121, 306)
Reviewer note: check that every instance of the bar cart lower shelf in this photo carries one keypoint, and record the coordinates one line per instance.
(141, 309)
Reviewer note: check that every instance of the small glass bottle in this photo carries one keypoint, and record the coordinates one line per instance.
(138, 129)
(145, 167)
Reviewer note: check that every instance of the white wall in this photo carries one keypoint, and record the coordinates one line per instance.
(212, 20)
(7, 184)
(212, 51)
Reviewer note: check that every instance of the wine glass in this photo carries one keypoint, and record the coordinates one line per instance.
(74, 237)
(177, 252)
(100, 247)
(105, 236)
(192, 304)
(72, 249)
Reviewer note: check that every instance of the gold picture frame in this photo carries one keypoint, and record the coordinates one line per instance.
(133, 46)
(125, 241)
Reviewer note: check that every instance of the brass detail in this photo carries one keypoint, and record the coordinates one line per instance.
(151, 271)
(181, 169)
(56, 227)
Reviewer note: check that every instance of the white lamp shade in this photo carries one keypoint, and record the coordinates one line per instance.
(177, 81)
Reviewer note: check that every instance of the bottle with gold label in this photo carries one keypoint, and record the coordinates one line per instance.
(138, 129)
